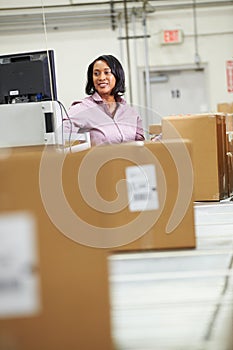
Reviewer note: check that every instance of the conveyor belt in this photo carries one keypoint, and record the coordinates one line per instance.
(178, 300)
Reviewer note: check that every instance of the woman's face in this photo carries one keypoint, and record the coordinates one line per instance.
(103, 79)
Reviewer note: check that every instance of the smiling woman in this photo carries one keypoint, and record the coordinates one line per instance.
(105, 113)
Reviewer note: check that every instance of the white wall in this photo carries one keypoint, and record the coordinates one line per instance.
(75, 49)
(215, 44)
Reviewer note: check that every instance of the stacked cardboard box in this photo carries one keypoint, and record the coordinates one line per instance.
(230, 165)
(155, 129)
(207, 132)
(84, 206)
(226, 108)
(230, 153)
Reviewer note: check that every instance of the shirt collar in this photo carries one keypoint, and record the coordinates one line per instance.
(96, 97)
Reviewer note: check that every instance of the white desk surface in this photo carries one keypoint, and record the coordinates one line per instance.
(178, 300)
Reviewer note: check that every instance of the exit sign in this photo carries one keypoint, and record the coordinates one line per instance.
(171, 36)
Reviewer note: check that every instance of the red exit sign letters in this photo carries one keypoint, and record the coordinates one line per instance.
(171, 36)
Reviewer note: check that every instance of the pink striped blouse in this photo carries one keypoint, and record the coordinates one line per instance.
(92, 114)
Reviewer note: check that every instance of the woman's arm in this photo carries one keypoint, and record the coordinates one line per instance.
(74, 119)
(139, 132)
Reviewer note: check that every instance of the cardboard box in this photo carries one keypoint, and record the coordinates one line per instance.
(168, 223)
(207, 132)
(76, 231)
(229, 122)
(155, 129)
(230, 162)
(225, 108)
(74, 310)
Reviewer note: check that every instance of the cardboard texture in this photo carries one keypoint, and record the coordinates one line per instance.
(230, 162)
(207, 132)
(75, 302)
(115, 160)
(229, 122)
(155, 129)
(75, 310)
(225, 107)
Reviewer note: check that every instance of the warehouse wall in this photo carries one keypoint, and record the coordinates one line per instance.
(75, 48)
(73, 52)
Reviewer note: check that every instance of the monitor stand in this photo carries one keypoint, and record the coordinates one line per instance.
(29, 124)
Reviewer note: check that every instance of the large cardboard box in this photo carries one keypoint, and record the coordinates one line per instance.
(207, 132)
(104, 198)
(62, 299)
(83, 209)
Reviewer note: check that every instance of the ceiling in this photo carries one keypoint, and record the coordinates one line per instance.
(72, 14)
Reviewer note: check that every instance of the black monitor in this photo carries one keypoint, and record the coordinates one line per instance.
(27, 77)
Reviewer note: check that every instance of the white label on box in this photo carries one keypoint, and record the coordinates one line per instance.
(19, 282)
(142, 187)
(14, 93)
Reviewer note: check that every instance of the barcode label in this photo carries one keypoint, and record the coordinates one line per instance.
(141, 187)
(9, 285)
(140, 196)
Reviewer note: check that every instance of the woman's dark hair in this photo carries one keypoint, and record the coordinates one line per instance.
(117, 71)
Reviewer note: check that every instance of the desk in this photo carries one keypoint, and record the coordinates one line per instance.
(178, 300)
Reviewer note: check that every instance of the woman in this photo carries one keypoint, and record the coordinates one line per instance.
(105, 113)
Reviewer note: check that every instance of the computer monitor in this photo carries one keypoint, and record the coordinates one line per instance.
(27, 77)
